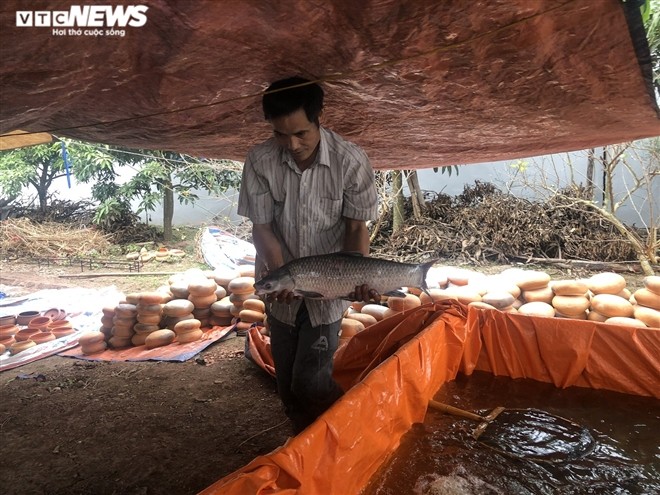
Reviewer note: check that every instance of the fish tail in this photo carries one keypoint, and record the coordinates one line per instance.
(425, 269)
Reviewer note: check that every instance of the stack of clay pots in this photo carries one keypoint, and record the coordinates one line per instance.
(396, 304)
(349, 328)
(188, 330)
(240, 289)
(180, 319)
(458, 284)
(34, 329)
(61, 328)
(221, 312)
(177, 310)
(35, 333)
(252, 311)
(570, 299)
(603, 297)
(159, 338)
(149, 313)
(123, 321)
(355, 320)
(92, 342)
(535, 292)
(609, 298)
(202, 293)
(199, 298)
(7, 333)
(646, 302)
(365, 319)
(107, 321)
(223, 276)
(246, 271)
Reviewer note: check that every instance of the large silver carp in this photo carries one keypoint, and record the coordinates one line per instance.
(334, 276)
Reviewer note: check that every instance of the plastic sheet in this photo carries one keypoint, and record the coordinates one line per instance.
(393, 368)
(172, 352)
(567, 352)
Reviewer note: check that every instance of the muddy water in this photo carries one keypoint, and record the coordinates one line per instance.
(616, 452)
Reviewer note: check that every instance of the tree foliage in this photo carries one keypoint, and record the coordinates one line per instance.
(651, 17)
(36, 168)
(156, 177)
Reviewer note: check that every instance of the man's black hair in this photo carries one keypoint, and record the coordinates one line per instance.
(307, 95)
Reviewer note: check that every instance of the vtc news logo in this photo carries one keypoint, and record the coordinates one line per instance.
(86, 16)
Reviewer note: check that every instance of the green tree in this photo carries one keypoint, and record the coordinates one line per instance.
(36, 167)
(164, 174)
(159, 176)
(651, 17)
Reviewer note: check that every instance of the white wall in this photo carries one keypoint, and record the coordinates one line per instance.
(555, 168)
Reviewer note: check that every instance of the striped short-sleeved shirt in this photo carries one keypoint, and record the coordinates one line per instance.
(306, 209)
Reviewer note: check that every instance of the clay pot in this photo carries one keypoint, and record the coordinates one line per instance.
(7, 341)
(41, 337)
(24, 318)
(39, 322)
(26, 334)
(8, 330)
(60, 324)
(62, 332)
(7, 320)
(21, 346)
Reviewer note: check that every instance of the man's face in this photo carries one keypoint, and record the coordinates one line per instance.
(297, 134)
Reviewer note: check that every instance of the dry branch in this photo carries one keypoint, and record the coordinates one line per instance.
(483, 224)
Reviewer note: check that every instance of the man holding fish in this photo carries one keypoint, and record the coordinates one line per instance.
(307, 192)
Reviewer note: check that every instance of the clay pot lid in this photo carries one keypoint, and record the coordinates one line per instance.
(55, 314)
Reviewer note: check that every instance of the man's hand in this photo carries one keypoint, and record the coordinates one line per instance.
(364, 293)
(284, 296)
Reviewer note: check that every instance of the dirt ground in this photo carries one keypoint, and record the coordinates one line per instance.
(77, 427)
(69, 426)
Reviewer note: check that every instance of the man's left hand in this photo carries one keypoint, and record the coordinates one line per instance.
(365, 294)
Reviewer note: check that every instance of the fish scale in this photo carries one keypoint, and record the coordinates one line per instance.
(335, 276)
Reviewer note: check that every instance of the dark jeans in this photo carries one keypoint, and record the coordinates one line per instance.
(303, 364)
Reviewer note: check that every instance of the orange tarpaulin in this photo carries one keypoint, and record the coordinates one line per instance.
(389, 386)
(568, 352)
